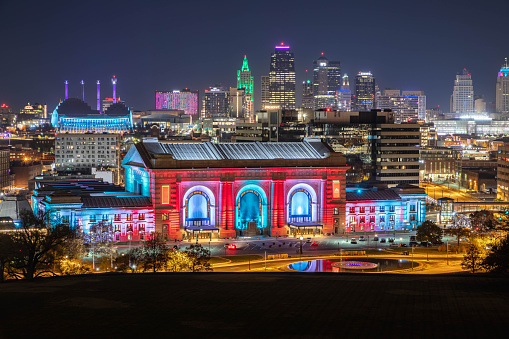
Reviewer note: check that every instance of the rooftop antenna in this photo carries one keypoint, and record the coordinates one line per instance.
(114, 82)
(98, 95)
(83, 89)
(66, 89)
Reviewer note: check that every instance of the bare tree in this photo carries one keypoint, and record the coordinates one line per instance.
(473, 259)
(36, 243)
(7, 251)
(199, 258)
(155, 253)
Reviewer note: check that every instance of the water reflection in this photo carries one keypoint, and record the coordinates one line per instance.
(383, 265)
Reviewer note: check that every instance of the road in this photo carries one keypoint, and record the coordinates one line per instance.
(437, 191)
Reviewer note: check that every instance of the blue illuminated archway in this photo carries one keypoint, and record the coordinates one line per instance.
(251, 207)
(198, 207)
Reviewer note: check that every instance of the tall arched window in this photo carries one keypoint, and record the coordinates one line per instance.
(197, 209)
(300, 205)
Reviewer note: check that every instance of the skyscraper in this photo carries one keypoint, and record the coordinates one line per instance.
(463, 94)
(364, 91)
(326, 81)
(241, 105)
(307, 94)
(282, 77)
(245, 81)
(216, 102)
(265, 93)
(185, 100)
(409, 105)
(344, 95)
(503, 89)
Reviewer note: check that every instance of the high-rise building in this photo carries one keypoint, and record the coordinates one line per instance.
(403, 141)
(282, 77)
(326, 82)
(307, 94)
(503, 89)
(344, 95)
(409, 105)
(246, 82)
(241, 105)
(463, 94)
(434, 113)
(184, 100)
(265, 92)
(216, 102)
(364, 91)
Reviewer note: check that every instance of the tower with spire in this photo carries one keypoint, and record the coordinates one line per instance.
(245, 81)
(502, 100)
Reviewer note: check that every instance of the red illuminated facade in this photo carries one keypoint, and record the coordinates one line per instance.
(229, 190)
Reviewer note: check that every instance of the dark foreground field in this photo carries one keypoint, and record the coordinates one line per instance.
(274, 305)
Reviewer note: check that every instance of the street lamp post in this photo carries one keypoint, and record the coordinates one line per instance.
(447, 250)
(249, 255)
(412, 257)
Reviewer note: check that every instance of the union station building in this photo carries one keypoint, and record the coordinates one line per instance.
(224, 190)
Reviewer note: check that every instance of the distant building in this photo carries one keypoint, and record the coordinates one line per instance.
(326, 82)
(463, 94)
(265, 90)
(241, 104)
(307, 94)
(185, 100)
(5, 176)
(502, 100)
(81, 152)
(282, 78)
(344, 95)
(216, 102)
(434, 113)
(440, 163)
(245, 81)
(75, 116)
(36, 110)
(503, 173)
(364, 91)
(407, 106)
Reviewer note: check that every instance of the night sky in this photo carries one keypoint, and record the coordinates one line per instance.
(166, 45)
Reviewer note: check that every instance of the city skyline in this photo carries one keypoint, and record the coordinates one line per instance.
(144, 65)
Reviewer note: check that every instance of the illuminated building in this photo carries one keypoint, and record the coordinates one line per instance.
(265, 90)
(185, 100)
(428, 135)
(503, 173)
(282, 78)
(502, 101)
(397, 154)
(5, 176)
(463, 95)
(234, 189)
(344, 95)
(440, 163)
(241, 104)
(35, 110)
(86, 150)
(245, 81)
(7, 118)
(373, 210)
(326, 82)
(364, 91)
(75, 116)
(407, 106)
(307, 94)
(84, 203)
(216, 103)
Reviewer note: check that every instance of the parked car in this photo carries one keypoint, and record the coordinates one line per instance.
(424, 244)
(375, 239)
(314, 243)
(232, 247)
(413, 244)
(394, 245)
(308, 239)
(353, 241)
(383, 240)
(391, 240)
(361, 238)
(404, 245)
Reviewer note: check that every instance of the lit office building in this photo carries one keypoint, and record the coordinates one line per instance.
(184, 100)
(326, 82)
(307, 94)
(282, 78)
(463, 95)
(216, 102)
(265, 90)
(407, 106)
(364, 91)
(503, 89)
(241, 104)
(344, 95)
(244, 81)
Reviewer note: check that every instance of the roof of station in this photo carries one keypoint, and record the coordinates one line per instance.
(240, 151)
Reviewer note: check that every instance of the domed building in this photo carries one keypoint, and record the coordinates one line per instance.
(73, 115)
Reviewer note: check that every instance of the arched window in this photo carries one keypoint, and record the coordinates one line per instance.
(300, 205)
(197, 209)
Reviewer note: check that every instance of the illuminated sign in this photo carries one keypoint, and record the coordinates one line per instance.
(336, 189)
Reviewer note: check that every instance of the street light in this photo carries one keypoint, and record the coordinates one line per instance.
(249, 255)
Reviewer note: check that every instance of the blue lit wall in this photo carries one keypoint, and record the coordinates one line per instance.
(251, 206)
(299, 204)
(137, 180)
